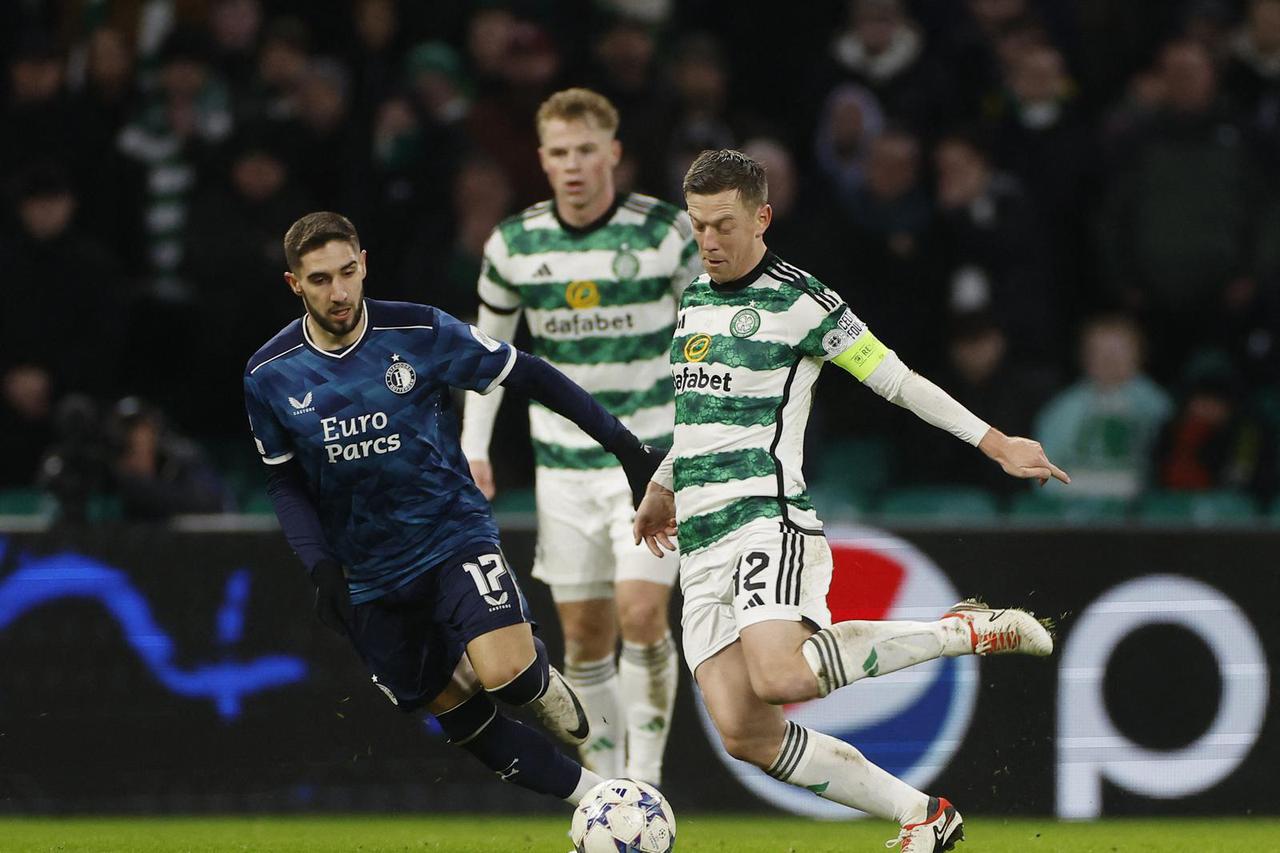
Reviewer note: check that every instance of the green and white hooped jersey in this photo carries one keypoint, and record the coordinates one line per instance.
(744, 360)
(600, 302)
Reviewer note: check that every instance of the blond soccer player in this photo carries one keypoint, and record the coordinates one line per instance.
(596, 274)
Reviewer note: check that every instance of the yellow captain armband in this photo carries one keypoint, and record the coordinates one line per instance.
(863, 356)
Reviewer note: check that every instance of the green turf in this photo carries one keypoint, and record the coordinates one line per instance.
(697, 834)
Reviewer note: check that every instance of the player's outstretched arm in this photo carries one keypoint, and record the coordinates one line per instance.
(534, 378)
(655, 522)
(880, 369)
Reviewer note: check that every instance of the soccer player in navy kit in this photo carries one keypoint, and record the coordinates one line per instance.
(350, 409)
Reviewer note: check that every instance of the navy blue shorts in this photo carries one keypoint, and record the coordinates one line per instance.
(412, 639)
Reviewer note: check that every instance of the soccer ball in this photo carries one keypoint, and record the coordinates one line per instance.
(623, 816)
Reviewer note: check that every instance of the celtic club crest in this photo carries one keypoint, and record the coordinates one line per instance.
(626, 265)
(745, 323)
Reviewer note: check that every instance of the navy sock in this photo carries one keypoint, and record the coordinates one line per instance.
(529, 684)
(517, 753)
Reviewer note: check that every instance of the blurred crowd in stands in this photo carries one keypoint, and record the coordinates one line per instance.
(1063, 211)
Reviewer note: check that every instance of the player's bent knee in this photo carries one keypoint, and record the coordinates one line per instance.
(779, 687)
(525, 683)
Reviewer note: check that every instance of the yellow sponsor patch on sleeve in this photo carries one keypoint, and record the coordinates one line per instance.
(863, 357)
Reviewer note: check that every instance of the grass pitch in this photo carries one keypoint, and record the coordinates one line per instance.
(695, 834)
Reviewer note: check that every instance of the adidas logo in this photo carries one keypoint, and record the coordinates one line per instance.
(755, 601)
(544, 271)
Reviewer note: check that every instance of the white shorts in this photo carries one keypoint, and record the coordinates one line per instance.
(585, 543)
(762, 571)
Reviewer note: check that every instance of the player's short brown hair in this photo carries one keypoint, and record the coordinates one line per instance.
(313, 231)
(579, 104)
(718, 171)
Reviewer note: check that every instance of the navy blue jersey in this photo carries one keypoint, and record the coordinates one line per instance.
(372, 428)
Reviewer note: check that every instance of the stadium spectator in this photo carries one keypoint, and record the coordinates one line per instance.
(501, 122)
(159, 473)
(994, 249)
(234, 258)
(851, 120)
(700, 76)
(980, 374)
(60, 316)
(882, 49)
(1042, 139)
(235, 27)
(802, 213)
(481, 199)
(489, 34)
(435, 75)
(373, 57)
(108, 99)
(626, 72)
(171, 140)
(110, 88)
(971, 52)
(282, 66)
(38, 103)
(1180, 220)
(26, 400)
(1214, 440)
(889, 249)
(324, 134)
(1105, 425)
(1252, 74)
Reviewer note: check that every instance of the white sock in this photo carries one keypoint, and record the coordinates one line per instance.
(849, 651)
(596, 683)
(586, 782)
(647, 679)
(836, 771)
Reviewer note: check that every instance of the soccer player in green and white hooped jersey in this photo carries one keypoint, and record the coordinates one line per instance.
(597, 276)
(751, 337)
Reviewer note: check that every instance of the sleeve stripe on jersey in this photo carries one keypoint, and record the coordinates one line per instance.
(511, 362)
(273, 358)
(498, 309)
(277, 460)
(788, 273)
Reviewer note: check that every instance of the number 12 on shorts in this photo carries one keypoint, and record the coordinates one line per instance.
(487, 573)
(745, 582)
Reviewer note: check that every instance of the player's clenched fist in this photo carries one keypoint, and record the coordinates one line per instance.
(656, 519)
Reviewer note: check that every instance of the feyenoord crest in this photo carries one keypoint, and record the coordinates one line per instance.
(745, 323)
(400, 376)
(626, 265)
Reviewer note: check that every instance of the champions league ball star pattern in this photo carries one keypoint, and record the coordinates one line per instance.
(623, 816)
(909, 722)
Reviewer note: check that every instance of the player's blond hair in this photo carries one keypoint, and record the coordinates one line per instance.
(578, 104)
